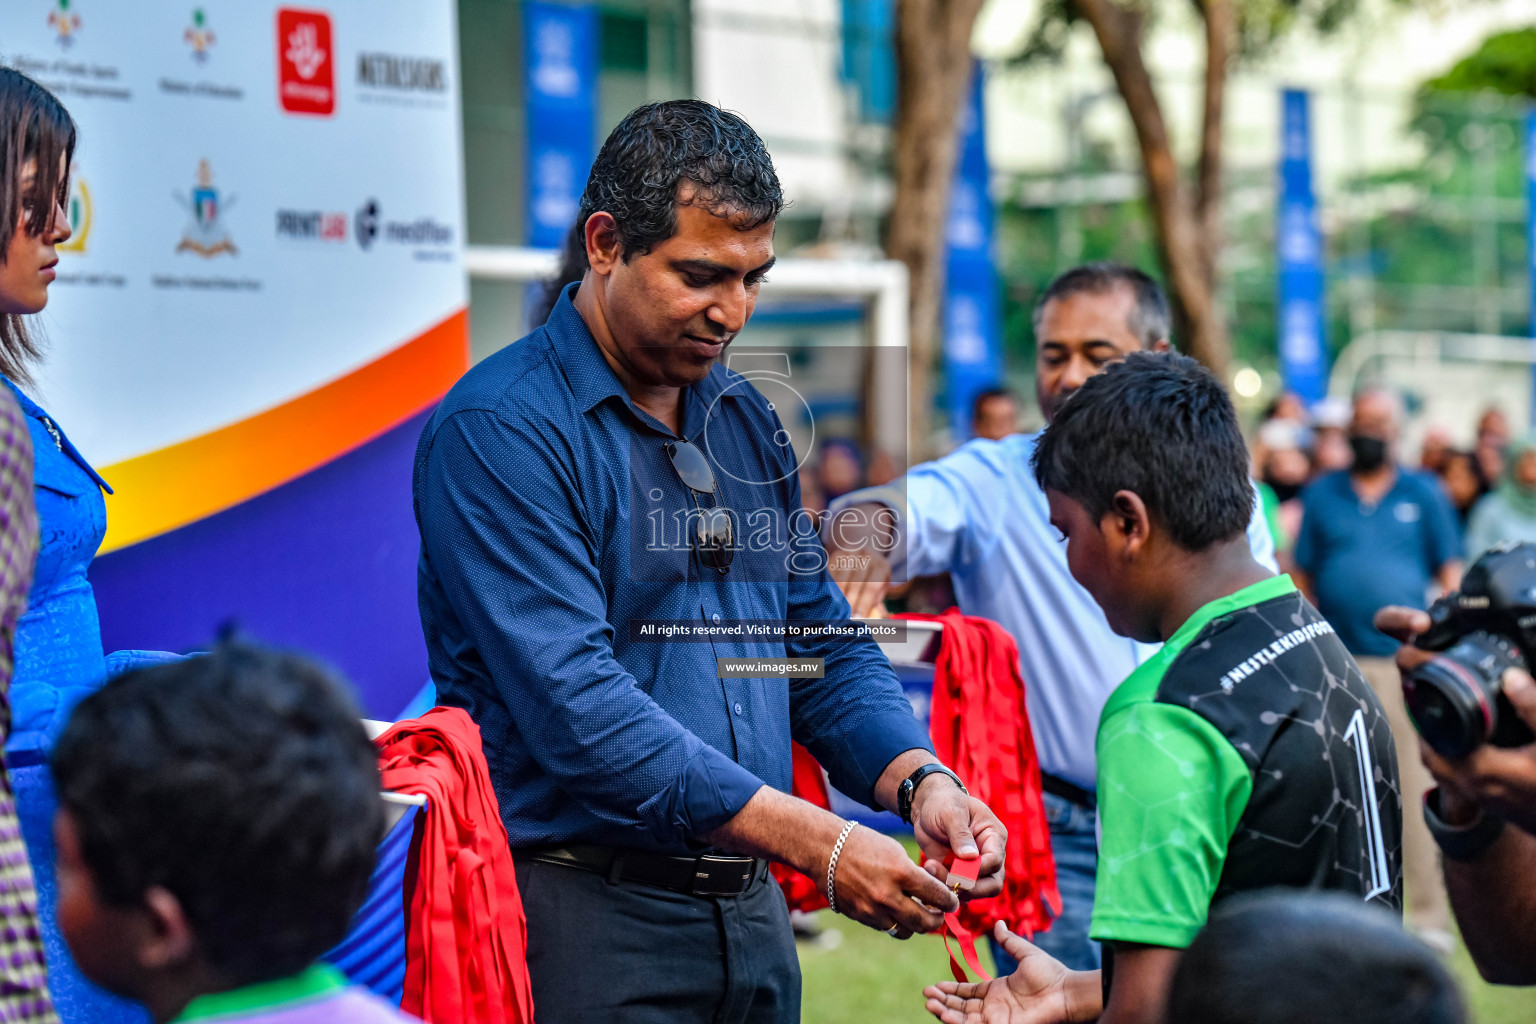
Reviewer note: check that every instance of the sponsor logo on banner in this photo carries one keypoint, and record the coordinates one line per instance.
(205, 234)
(311, 226)
(64, 22)
(401, 79)
(199, 36)
(430, 238)
(306, 62)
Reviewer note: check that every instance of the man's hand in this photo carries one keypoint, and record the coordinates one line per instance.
(1041, 991)
(855, 559)
(946, 819)
(1500, 779)
(877, 884)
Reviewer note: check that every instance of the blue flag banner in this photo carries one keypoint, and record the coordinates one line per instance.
(973, 334)
(560, 90)
(1299, 252)
(1530, 234)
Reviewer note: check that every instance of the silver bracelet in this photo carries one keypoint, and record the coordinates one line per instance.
(832, 865)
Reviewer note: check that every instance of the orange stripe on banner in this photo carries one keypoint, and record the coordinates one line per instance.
(171, 487)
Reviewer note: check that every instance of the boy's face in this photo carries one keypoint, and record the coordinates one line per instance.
(1101, 556)
(100, 936)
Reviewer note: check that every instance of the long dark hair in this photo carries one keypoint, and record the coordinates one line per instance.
(33, 126)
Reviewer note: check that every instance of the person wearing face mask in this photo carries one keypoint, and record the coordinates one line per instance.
(1374, 535)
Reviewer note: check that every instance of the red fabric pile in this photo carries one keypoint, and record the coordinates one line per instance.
(800, 892)
(465, 934)
(980, 729)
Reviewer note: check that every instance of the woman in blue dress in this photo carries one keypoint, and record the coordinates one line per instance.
(58, 640)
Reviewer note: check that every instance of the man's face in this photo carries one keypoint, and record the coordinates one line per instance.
(1374, 416)
(996, 419)
(673, 310)
(1079, 335)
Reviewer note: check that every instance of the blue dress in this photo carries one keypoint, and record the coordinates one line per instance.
(59, 660)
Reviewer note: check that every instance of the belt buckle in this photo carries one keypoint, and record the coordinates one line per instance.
(722, 876)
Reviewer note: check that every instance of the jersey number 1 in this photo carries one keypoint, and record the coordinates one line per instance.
(1376, 850)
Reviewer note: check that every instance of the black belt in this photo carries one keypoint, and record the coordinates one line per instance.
(1068, 791)
(712, 874)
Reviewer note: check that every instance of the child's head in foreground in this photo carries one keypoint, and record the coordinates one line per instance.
(1144, 467)
(1285, 956)
(217, 824)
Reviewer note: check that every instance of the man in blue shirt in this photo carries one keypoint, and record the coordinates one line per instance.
(979, 514)
(604, 483)
(1375, 535)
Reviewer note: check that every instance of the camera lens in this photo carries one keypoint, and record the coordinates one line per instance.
(1453, 698)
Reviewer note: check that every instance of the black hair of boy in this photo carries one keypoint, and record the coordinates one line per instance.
(1160, 425)
(244, 784)
(1279, 957)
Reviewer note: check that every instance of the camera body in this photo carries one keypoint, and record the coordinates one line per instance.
(1457, 699)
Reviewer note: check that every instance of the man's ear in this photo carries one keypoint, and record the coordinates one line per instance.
(604, 247)
(1131, 522)
(168, 940)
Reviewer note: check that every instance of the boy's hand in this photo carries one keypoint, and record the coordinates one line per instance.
(1041, 991)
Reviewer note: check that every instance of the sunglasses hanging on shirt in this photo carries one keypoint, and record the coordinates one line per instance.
(714, 534)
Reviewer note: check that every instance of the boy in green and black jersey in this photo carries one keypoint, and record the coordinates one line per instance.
(1248, 753)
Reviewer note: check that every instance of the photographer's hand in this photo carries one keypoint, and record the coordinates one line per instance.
(1492, 894)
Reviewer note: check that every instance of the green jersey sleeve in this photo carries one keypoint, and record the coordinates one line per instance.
(1171, 791)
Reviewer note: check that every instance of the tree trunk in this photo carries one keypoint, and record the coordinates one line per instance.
(1220, 35)
(1178, 232)
(933, 68)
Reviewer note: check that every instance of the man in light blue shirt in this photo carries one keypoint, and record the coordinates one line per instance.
(979, 515)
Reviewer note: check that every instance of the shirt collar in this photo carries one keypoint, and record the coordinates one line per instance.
(1254, 593)
(318, 982)
(32, 409)
(592, 380)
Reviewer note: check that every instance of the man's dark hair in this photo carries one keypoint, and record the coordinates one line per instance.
(637, 173)
(33, 126)
(987, 396)
(1160, 425)
(1149, 319)
(1279, 957)
(243, 783)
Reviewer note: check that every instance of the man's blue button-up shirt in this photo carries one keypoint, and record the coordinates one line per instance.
(549, 514)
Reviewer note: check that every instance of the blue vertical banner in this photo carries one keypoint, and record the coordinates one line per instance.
(560, 89)
(973, 330)
(1299, 252)
(1530, 235)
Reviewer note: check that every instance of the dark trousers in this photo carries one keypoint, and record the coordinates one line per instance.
(601, 951)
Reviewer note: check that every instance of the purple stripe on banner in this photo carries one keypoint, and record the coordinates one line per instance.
(324, 564)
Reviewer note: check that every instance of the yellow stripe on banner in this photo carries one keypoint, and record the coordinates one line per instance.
(171, 487)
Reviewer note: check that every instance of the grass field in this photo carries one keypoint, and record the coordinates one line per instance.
(867, 977)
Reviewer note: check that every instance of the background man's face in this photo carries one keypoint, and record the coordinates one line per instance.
(1375, 415)
(1079, 335)
(674, 309)
(996, 419)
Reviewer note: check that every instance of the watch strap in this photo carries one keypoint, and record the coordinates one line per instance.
(908, 789)
(1461, 842)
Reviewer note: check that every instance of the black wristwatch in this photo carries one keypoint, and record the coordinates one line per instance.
(1461, 842)
(908, 788)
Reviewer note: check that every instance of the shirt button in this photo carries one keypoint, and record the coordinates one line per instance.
(738, 709)
(716, 618)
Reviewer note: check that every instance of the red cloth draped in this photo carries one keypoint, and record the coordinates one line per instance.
(809, 784)
(980, 728)
(466, 940)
